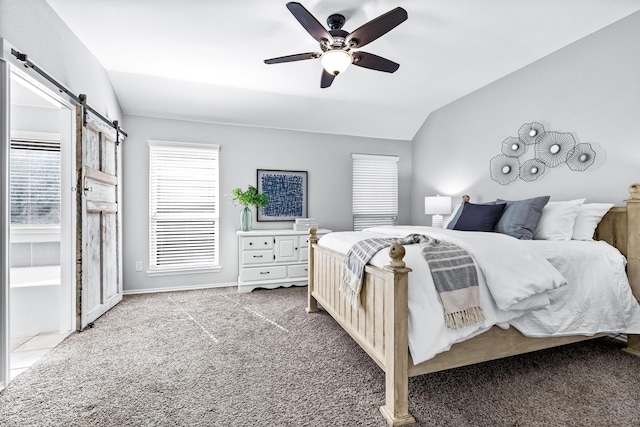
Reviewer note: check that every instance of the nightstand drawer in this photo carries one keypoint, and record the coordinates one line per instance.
(298, 271)
(257, 257)
(263, 273)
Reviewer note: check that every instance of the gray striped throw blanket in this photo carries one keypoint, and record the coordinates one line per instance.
(452, 268)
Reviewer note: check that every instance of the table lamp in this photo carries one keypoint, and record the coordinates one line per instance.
(437, 206)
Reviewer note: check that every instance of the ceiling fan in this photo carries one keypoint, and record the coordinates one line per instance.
(339, 48)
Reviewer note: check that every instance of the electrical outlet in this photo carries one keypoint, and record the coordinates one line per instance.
(138, 265)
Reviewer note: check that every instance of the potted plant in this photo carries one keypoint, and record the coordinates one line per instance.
(247, 198)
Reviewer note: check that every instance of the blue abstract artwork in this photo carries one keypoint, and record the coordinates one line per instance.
(287, 195)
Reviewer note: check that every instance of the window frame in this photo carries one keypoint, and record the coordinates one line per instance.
(390, 210)
(186, 148)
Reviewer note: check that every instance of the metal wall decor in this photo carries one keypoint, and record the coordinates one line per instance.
(553, 148)
(513, 147)
(531, 170)
(581, 157)
(550, 149)
(504, 169)
(528, 132)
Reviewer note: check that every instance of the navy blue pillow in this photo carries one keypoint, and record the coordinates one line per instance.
(456, 217)
(520, 217)
(479, 217)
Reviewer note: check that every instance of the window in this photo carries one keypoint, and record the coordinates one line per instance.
(35, 183)
(183, 207)
(375, 190)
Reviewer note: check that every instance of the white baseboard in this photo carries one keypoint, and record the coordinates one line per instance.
(177, 288)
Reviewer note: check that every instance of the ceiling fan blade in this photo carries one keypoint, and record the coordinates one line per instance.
(374, 62)
(291, 58)
(309, 22)
(376, 27)
(327, 79)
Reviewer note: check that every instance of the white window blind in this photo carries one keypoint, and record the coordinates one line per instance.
(183, 206)
(375, 190)
(35, 182)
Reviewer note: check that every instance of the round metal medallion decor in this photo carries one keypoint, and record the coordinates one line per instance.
(529, 132)
(504, 169)
(550, 149)
(513, 147)
(553, 148)
(581, 157)
(531, 170)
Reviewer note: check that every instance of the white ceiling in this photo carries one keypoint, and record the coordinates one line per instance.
(203, 59)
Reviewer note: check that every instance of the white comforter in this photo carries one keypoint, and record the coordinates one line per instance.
(522, 283)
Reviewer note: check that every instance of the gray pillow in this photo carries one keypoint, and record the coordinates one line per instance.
(520, 217)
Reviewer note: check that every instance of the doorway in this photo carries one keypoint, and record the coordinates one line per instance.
(41, 217)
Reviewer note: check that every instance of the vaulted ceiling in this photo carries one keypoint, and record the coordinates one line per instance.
(203, 60)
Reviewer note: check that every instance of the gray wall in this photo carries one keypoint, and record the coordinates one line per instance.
(243, 150)
(32, 27)
(590, 88)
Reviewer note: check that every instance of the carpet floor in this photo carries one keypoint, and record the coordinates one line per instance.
(218, 358)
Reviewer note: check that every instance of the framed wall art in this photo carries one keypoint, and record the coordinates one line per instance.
(287, 192)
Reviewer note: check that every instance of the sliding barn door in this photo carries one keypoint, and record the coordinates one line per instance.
(99, 253)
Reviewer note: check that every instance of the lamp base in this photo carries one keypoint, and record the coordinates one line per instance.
(436, 221)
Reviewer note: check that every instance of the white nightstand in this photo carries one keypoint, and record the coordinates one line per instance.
(273, 258)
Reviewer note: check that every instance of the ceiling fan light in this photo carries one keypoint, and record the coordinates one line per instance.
(336, 61)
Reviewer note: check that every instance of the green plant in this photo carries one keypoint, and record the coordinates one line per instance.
(249, 197)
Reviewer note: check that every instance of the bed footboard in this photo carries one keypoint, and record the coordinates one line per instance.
(620, 227)
(378, 324)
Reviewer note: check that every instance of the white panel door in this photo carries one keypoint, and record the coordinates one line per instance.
(99, 262)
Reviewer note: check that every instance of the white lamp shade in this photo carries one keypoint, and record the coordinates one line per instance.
(336, 61)
(437, 205)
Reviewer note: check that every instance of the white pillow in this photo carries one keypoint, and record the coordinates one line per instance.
(557, 219)
(589, 215)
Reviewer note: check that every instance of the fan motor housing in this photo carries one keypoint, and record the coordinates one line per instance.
(336, 21)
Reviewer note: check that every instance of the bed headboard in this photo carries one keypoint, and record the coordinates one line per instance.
(620, 227)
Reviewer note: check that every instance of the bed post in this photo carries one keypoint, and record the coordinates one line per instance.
(396, 409)
(633, 239)
(312, 303)
(633, 255)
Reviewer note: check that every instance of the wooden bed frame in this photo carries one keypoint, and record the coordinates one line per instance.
(379, 325)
